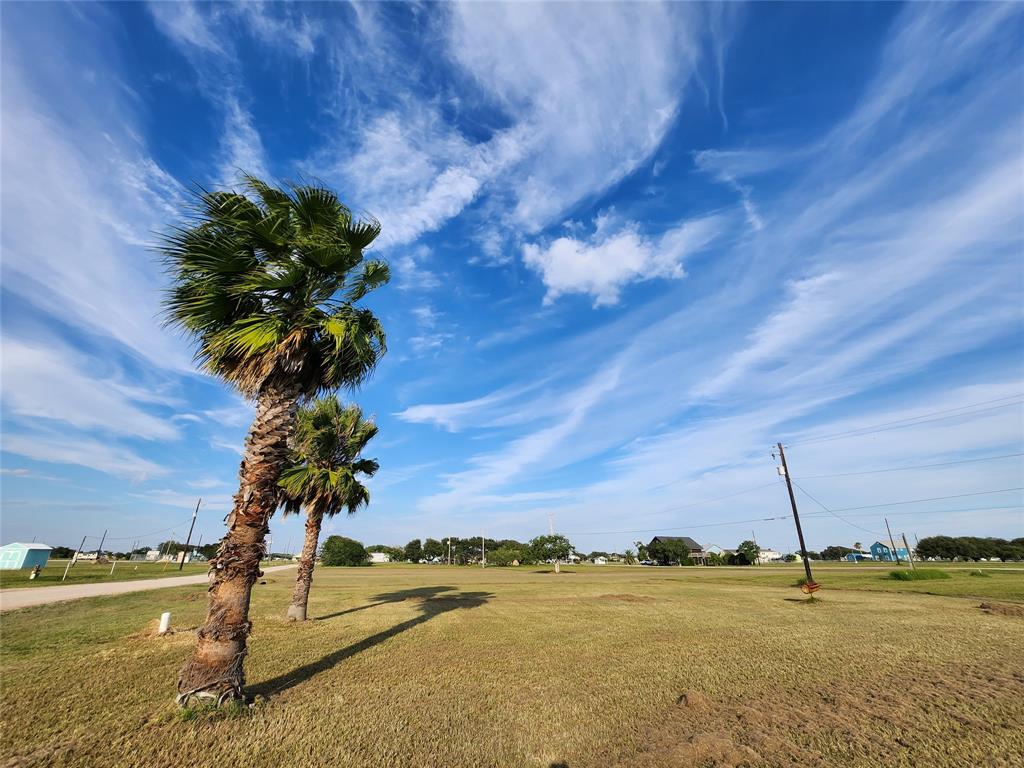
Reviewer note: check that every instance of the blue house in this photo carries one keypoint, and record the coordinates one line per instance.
(17, 555)
(857, 557)
(880, 551)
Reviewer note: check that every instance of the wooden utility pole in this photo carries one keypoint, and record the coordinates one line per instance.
(73, 558)
(188, 539)
(910, 557)
(99, 552)
(483, 554)
(895, 551)
(796, 519)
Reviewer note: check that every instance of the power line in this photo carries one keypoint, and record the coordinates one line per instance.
(928, 511)
(917, 466)
(142, 535)
(829, 511)
(933, 498)
(680, 527)
(914, 420)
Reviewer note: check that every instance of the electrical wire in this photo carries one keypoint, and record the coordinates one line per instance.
(831, 512)
(142, 535)
(926, 511)
(680, 527)
(913, 420)
(917, 501)
(917, 466)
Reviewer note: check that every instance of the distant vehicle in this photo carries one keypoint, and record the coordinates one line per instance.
(647, 562)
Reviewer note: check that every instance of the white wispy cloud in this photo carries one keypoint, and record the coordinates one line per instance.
(56, 448)
(892, 262)
(48, 380)
(617, 253)
(88, 192)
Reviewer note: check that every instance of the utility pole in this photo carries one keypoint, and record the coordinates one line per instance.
(99, 552)
(910, 557)
(188, 540)
(796, 518)
(73, 558)
(551, 523)
(483, 554)
(894, 550)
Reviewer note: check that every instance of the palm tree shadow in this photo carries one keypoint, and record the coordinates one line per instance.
(431, 605)
(389, 597)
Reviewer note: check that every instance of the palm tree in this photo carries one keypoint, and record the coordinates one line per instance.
(322, 476)
(266, 282)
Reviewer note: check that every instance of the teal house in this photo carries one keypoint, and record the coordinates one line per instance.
(884, 552)
(17, 555)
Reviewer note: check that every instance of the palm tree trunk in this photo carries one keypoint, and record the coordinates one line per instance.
(214, 672)
(304, 580)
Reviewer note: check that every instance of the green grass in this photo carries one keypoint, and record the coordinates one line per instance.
(920, 574)
(431, 665)
(85, 572)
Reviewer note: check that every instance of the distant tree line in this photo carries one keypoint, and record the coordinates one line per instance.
(464, 551)
(970, 548)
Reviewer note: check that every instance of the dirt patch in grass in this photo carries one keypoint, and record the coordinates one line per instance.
(886, 722)
(627, 598)
(1003, 609)
(53, 753)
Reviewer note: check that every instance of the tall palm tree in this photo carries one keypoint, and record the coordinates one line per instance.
(266, 282)
(322, 477)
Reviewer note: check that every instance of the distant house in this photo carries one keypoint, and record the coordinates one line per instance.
(380, 557)
(17, 555)
(696, 551)
(857, 557)
(769, 556)
(884, 552)
(600, 560)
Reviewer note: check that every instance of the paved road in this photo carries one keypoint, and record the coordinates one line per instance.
(11, 599)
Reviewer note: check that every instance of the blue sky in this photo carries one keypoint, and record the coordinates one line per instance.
(632, 247)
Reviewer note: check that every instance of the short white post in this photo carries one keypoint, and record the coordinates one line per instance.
(165, 622)
(112, 567)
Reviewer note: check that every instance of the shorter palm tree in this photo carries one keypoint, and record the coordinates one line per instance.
(322, 477)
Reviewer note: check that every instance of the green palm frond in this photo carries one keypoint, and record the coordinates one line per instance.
(325, 463)
(267, 281)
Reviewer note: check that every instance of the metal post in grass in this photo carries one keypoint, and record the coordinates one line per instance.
(895, 551)
(188, 540)
(811, 586)
(99, 551)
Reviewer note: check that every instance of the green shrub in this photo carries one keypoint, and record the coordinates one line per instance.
(980, 573)
(339, 550)
(921, 574)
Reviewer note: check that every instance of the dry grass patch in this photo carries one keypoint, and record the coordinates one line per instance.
(427, 666)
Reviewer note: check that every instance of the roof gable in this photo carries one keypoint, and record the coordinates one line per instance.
(685, 539)
(20, 545)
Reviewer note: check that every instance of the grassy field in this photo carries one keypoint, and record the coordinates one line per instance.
(614, 666)
(84, 572)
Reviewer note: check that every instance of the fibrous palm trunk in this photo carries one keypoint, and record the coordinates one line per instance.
(304, 580)
(215, 671)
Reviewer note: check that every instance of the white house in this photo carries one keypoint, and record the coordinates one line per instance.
(380, 557)
(769, 556)
(600, 560)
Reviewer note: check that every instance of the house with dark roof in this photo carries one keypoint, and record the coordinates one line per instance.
(684, 545)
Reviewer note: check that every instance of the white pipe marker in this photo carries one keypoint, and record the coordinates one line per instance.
(165, 622)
